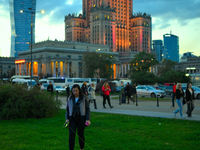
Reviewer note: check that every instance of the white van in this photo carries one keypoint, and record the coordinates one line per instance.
(46, 81)
(24, 82)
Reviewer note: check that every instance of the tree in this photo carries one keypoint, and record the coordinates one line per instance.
(143, 61)
(98, 64)
(139, 69)
(143, 77)
(178, 76)
(166, 67)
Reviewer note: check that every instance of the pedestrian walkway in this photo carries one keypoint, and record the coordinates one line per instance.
(144, 108)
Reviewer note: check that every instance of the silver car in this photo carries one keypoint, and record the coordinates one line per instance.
(196, 91)
(145, 90)
(168, 90)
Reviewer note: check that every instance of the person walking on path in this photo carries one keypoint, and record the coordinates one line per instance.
(106, 94)
(174, 94)
(77, 115)
(84, 88)
(134, 92)
(50, 87)
(68, 91)
(128, 90)
(92, 96)
(190, 99)
(179, 99)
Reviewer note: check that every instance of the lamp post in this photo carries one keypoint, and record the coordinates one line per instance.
(32, 12)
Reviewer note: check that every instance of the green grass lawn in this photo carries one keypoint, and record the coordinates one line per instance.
(107, 132)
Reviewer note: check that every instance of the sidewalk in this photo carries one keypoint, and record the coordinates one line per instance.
(144, 108)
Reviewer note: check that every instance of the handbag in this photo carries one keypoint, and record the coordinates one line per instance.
(184, 101)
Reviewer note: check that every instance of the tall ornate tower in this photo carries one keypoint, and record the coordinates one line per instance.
(112, 23)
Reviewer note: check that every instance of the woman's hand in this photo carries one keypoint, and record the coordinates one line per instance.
(67, 121)
(88, 122)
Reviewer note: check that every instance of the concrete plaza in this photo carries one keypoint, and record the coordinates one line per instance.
(144, 108)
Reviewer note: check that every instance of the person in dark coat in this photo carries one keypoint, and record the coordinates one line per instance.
(50, 87)
(68, 91)
(190, 99)
(128, 90)
(84, 89)
(77, 116)
(134, 92)
(179, 99)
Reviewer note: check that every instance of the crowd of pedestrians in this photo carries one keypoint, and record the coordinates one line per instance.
(79, 99)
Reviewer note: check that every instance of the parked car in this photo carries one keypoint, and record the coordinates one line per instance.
(145, 90)
(156, 87)
(168, 90)
(196, 91)
(45, 85)
(119, 88)
(59, 89)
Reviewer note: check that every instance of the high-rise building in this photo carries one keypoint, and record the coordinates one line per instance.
(171, 44)
(110, 22)
(159, 49)
(21, 25)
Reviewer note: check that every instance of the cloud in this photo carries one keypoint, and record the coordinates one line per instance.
(169, 10)
(56, 10)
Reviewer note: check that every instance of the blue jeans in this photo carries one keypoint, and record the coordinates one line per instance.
(180, 105)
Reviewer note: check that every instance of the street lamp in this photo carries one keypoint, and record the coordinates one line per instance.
(32, 12)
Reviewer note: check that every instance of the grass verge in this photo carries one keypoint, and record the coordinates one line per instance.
(107, 132)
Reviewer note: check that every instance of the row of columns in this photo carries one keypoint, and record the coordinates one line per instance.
(125, 67)
(60, 71)
(25, 69)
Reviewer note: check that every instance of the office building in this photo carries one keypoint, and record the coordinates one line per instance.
(110, 22)
(186, 56)
(171, 43)
(159, 49)
(21, 25)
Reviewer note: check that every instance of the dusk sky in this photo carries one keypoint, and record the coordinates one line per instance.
(181, 17)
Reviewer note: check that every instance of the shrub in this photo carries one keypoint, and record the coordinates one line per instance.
(16, 101)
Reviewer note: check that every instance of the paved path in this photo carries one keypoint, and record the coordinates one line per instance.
(144, 108)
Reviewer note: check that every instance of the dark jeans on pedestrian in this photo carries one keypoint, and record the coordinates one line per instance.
(129, 97)
(173, 97)
(190, 108)
(93, 100)
(67, 96)
(76, 122)
(106, 97)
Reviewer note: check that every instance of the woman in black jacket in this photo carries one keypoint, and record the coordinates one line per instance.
(179, 99)
(190, 99)
(77, 116)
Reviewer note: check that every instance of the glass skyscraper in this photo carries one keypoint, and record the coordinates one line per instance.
(171, 44)
(159, 48)
(21, 25)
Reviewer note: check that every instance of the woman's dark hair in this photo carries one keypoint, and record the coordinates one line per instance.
(80, 92)
(188, 84)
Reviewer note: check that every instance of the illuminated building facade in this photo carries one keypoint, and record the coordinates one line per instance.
(21, 25)
(61, 59)
(110, 22)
